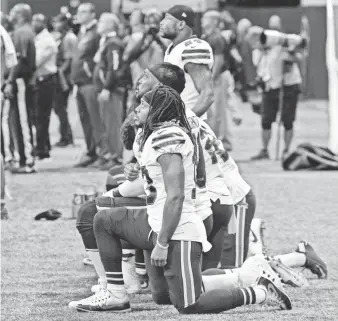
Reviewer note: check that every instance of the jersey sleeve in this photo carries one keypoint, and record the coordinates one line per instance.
(172, 140)
(197, 51)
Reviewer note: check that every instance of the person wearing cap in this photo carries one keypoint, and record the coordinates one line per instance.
(67, 42)
(191, 54)
(45, 75)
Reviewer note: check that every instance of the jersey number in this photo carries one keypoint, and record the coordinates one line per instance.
(150, 189)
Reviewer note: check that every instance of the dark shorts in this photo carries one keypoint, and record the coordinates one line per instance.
(270, 105)
(180, 281)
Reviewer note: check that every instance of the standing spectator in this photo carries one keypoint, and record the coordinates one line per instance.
(8, 61)
(19, 87)
(220, 112)
(46, 50)
(245, 50)
(109, 79)
(82, 68)
(276, 67)
(275, 23)
(67, 43)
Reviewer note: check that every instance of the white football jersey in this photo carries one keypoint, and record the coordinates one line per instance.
(195, 51)
(168, 140)
(216, 185)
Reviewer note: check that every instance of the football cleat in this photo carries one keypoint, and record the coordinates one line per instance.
(288, 275)
(274, 294)
(87, 261)
(255, 267)
(313, 262)
(256, 243)
(106, 301)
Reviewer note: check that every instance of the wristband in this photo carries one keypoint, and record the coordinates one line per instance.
(161, 246)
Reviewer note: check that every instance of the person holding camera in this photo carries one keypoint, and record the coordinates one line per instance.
(277, 58)
(144, 47)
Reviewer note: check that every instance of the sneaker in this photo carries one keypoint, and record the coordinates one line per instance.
(256, 243)
(64, 143)
(288, 275)
(263, 154)
(4, 213)
(106, 301)
(98, 163)
(255, 267)
(85, 160)
(87, 261)
(274, 294)
(313, 262)
(73, 304)
(27, 169)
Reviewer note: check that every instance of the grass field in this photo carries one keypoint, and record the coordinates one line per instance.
(42, 266)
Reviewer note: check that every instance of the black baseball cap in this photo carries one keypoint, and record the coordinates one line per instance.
(183, 13)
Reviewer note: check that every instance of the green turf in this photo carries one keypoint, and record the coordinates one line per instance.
(42, 266)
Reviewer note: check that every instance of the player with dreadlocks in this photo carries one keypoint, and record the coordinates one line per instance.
(169, 231)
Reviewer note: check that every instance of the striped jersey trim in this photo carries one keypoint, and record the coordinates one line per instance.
(192, 51)
(192, 57)
(187, 275)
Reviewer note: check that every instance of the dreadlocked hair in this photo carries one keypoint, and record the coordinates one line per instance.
(166, 106)
(127, 131)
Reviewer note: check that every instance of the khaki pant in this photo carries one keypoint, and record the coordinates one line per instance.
(112, 114)
(219, 116)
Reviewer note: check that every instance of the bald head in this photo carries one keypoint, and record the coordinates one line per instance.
(243, 27)
(21, 13)
(210, 21)
(108, 22)
(275, 23)
(39, 22)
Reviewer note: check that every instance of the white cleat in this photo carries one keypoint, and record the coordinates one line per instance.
(256, 241)
(87, 261)
(288, 275)
(73, 304)
(106, 301)
(255, 267)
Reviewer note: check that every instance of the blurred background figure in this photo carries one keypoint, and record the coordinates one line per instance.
(111, 80)
(277, 57)
(46, 80)
(275, 23)
(67, 42)
(8, 61)
(82, 68)
(19, 89)
(220, 113)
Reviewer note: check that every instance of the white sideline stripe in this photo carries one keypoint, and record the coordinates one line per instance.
(185, 290)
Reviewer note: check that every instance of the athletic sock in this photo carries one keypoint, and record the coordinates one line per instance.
(115, 282)
(130, 277)
(94, 256)
(294, 259)
(254, 294)
(220, 279)
(140, 263)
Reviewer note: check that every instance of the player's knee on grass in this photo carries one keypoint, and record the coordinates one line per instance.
(161, 297)
(85, 216)
(85, 223)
